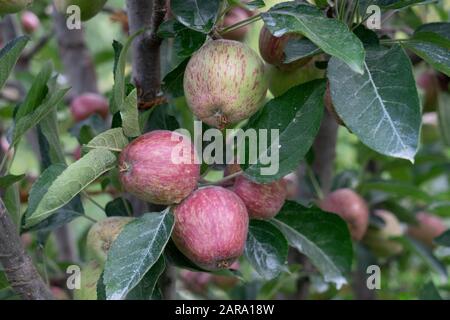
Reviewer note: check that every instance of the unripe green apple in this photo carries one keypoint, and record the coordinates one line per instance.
(379, 240)
(88, 8)
(225, 83)
(103, 234)
(90, 274)
(281, 81)
(13, 6)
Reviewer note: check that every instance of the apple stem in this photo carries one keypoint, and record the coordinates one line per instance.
(315, 183)
(240, 24)
(223, 180)
(93, 201)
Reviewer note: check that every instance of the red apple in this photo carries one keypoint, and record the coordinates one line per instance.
(234, 16)
(159, 167)
(211, 227)
(351, 207)
(30, 21)
(272, 49)
(263, 201)
(292, 186)
(429, 227)
(85, 105)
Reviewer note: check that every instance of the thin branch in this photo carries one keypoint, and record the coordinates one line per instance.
(18, 266)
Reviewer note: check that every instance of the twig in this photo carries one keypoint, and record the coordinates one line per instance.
(18, 266)
(27, 56)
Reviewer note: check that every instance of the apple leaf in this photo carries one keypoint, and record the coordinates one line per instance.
(443, 239)
(266, 249)
(9, 55)
(199, 15)
(330, 35)
(429, 292)
(146, 287)
(296, 117)
(71, 182)
(136, 250)
(381, 106)
(323, 237)
(112, 139)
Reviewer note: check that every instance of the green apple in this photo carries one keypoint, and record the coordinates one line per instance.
(90, 274)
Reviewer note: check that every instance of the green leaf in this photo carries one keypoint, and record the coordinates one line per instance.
(323, 237)
(130, 116)
(382, 106)
(429, 292)
(443, 239)
(11, 199)
(175, 257)
(112, 139)
(9, 55)
(426, 255)
(296, 115)
(118, 96)
(186, 41)
(119, 207)
(199, 15)
(37, 93)
(145, 289)
(330, 35)
(173, 81)
(266, 249)
(299, 48)
(9, 180)
(431, 42)
(32, 119)
(71, 182)
(136, 250)
(397, 189)
(48, 127)
(444, 117)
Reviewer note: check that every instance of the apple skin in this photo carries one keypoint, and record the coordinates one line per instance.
(429, 83)
(211, 227)
(196, 282)
(58, 293)
(102, 235)
(148, 171)
(272, 48)
(85, 105)
(88, 8)
(225, 83)
(90, 274)
(13, 6)
(281, 81)
(263, 201)
(292, 186)
(351, 207)
(429, 227)
(234, 16)
(378, 240)
(30, 21)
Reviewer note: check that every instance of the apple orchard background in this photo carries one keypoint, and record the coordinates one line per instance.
(397, 192)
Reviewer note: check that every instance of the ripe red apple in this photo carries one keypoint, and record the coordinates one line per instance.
(234, 16)
(351, 207)
(85, 105)
(102, 234)
(379, 240)
(13, 6)
(280, 81)
(159, 167)
(30, 21)
(429, 227)
(225, 83)
(211, 227)
(272, 49)
(263, 201)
